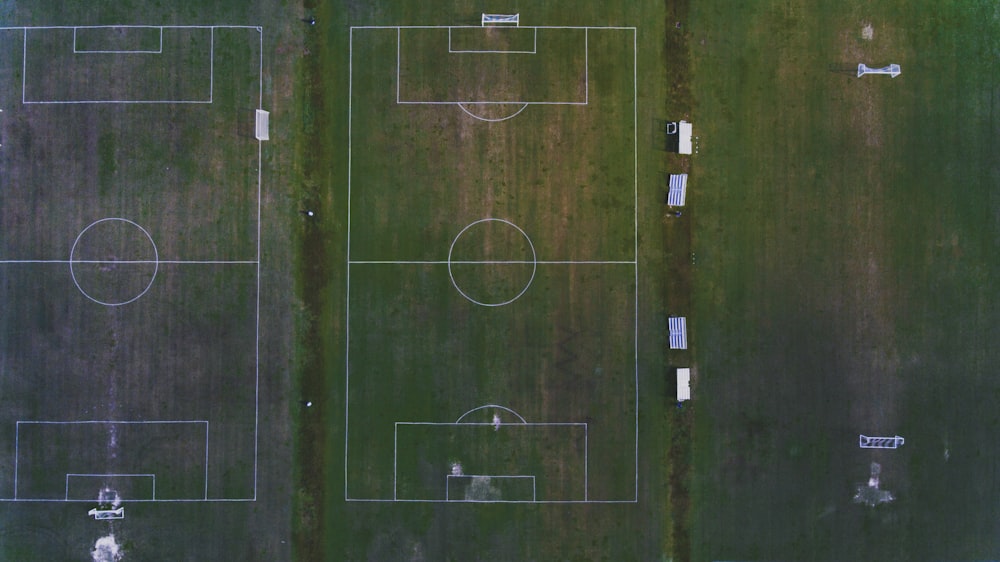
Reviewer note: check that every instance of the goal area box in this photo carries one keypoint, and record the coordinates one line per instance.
(130, 278)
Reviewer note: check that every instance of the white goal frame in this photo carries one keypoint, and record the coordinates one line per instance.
(501, 19)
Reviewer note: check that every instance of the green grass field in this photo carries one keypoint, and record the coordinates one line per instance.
(419, 351)
(481, 274)
(833, 261)
(135, 321)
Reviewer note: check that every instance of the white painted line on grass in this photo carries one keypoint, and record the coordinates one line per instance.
(179, 500)
(172, 262)
(491, 262)
(635, 255)
(353, 27)
(347, 308)
(256, 384)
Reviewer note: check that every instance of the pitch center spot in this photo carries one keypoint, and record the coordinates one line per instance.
(113, 261)
(492, 262)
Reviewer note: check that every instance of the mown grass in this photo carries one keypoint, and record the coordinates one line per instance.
(843, 282)
(72, 173)
(386, 531)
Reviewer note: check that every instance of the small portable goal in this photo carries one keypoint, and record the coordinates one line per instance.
(866, 442)
(501, 19)
(107, 514)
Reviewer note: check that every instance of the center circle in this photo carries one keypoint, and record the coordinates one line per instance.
(492, 262)
(113, 261)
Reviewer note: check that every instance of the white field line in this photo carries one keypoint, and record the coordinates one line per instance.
(347, 308)
(480, 27)
(586, 66)
(211, 66)
(42, 27)
(395, 457)
(398, 43)
(172, 262)
(206, 460)
(256, 384)
(493, 406)
(490, 424)
(635, 237)
(24, 65)
(480, 102)
(178, 500)
(17, 453)
(389, 500)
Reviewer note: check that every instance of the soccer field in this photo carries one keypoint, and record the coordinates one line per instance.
(495, 312)
(485, 281)
(132, 265)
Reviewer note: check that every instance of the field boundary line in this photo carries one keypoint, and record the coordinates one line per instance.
(17, 449)
(389, 500)
(347, 307)
(635, 236)
(260, 166)
(488, 120)
(610, 27)
(491, 262)
(172, 262)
